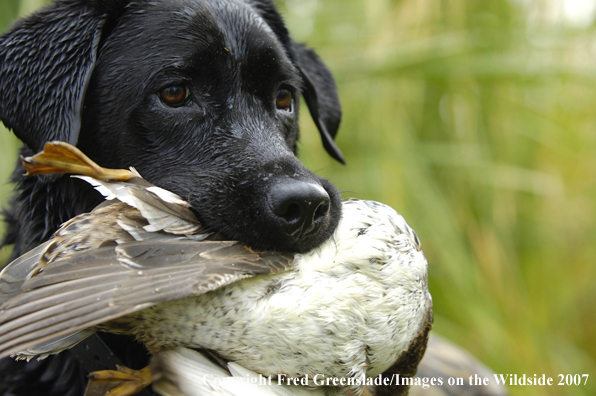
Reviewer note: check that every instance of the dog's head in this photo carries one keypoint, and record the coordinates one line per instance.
(201, 96)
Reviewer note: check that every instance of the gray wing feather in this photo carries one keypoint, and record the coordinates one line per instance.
(44, 349)
(12, 276)
(99, 285)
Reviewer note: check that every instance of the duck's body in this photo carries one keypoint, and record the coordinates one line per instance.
(348, 308)
(142, 265)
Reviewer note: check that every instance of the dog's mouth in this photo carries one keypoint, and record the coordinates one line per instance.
(289, 215)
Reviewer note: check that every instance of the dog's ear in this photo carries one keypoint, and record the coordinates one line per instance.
(46, 61)
(320, 95)
(320, 92)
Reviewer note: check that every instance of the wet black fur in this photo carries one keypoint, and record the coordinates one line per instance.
(88, 72)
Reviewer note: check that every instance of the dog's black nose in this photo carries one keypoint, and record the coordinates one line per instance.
(301, 207)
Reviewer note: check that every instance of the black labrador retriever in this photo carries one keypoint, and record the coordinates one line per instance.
(201, 96)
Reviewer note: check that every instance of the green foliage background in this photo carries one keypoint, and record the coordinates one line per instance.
(476, 120)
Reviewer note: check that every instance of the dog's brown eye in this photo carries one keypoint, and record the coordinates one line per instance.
(174, 96)
(284, 100)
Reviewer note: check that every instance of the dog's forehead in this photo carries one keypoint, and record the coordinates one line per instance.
(236, 19)
(234, 25)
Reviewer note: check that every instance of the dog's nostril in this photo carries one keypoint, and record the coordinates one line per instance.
(299, 206)
(322, 210)
(291, 212)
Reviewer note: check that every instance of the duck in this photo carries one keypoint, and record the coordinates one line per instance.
(140, 264)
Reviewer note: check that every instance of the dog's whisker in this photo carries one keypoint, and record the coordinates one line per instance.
(318, 171)
(351, 192)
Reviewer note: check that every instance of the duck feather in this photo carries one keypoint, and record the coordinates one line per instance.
(98, 285)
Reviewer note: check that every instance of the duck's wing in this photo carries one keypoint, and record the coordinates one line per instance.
(95, 286)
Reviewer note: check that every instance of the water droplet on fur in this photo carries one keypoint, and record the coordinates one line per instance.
(140, 273)
(157, 290)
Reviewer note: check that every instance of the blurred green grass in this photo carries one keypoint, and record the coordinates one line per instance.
(476, 120)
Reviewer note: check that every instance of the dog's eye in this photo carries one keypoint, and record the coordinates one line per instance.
(283, 100)
(174, 96)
